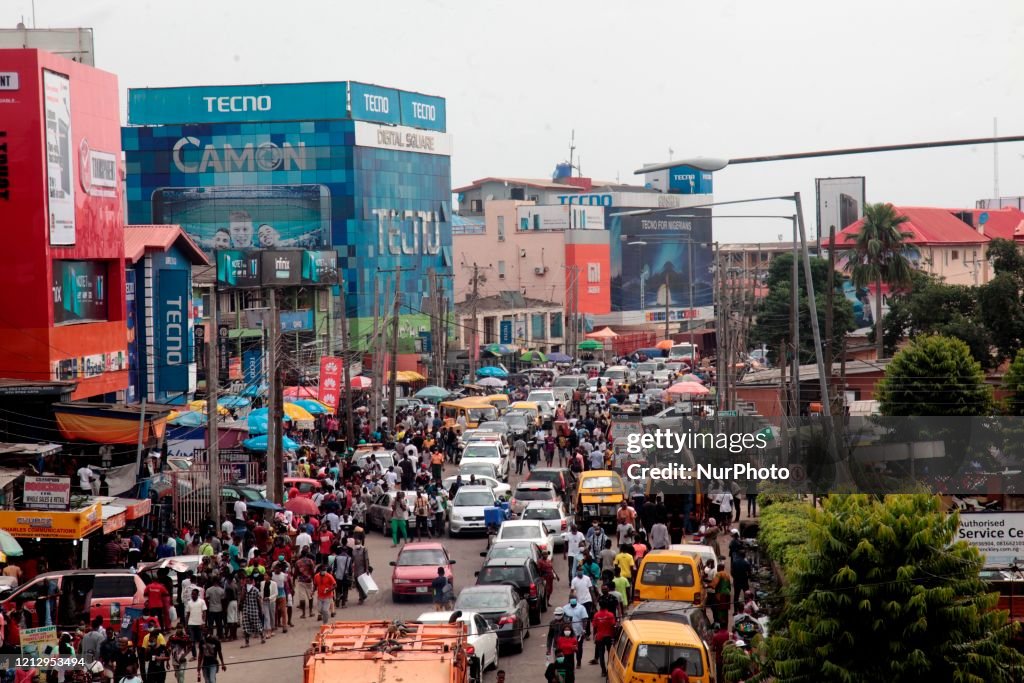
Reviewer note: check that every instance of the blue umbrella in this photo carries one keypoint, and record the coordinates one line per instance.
(259, 419)
(432, 393)
(491, 371)
(559, 357)
(253, 391)
(312, 407)
(189, 419)
(230, 402)
(263, 505)
(259, 443)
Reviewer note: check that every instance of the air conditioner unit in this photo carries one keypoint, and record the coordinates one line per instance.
(540, 270)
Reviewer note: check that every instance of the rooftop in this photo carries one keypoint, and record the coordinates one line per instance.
(138, 239)
(810, 372)
(931, 226)
(504, 301)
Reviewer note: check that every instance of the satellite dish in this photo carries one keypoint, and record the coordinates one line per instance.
(983, 218)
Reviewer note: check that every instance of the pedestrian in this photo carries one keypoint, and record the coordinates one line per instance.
(305, 568)
(178, 647)
(603, 623)
(448, 595)
(678, 672)
(341, 568)
(547, 570)
(555, 630)
(252, 612)
(215, 608)
(519, 448)
(282, 582)
(751, 505)
(212, 655)
(268, 603)
(360, 566)
(741, 570)
(195, 617)
(721, 587)
(324, 584)
(579, 620)
(596, 536)
(438, 585)
(660, 539)
(399, 519)
(560, 671)
(573, 545)
(231, 613)
(157, 655)
(582, 587)
(421, 508)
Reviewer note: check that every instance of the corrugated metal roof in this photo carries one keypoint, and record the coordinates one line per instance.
(140, 238)
(926, 225)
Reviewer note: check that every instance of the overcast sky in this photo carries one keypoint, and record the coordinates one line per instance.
(726, 79)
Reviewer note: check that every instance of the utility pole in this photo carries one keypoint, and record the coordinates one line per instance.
(719, 326)
(668, 297)
(794, 321)
(689, 320)
(345, 360)
(212, 390)
(392, 381)
(829, 303)
(375, 360)
(275, 409)
(433, 313)
(474, 344)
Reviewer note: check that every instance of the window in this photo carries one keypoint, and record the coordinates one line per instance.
(594, 273)
(524, 223)
(501, 228)
(476, 205)
(113, 587)
(956, 254)
(556, 325)
(536, 221)
(656, 659)
(323, 298)
(252, 298)
(667, 574)
(537, 323)
(623, 648)
(501, 270)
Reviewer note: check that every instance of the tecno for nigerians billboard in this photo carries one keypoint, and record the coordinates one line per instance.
(840, 202)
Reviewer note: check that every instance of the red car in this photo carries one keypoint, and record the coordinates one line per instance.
(416, 568)
(306, 487)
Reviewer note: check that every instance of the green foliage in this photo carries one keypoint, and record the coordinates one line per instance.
(784, 533)
(1001, 308)
(934, 376)
(772, 324)
(1006, 258)
(1013, 381)
(881, 592)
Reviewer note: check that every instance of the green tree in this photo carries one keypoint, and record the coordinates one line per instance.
(934, 376)
(1013, 381)
(772, 324)
(876, 256)
(1006, 258)
(930, 306)
(884, 592)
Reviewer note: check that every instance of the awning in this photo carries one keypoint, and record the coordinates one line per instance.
(245, 333)
(109, 424)
(134, 508)
(114, 518)
(71, 526)
(7, 476)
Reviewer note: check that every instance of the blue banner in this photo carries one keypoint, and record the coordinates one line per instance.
(373, 103)
(252, 367)
(237, 103)
(296, 321)
(423, 111)
(173, 343)
(426, 342)
(132, 323)
(506, 332)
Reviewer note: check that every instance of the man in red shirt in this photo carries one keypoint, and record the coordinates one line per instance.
(157, 600)
(679, 674)
(603, 623)
(324, 584)
(326, 539)
(718, 640)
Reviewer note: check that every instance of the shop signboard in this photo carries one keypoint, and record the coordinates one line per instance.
(281, 268)
(320, 268)
(422, 111)
(374, 103)
(998, 536)
(79, 291)
(505, 332)
(47, 493)
(172, 327)
(330, 380)
(38, 642)
(73, 525)
(252, 367)
(60, 161)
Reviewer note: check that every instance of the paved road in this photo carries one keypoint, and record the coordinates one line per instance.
(281, 658)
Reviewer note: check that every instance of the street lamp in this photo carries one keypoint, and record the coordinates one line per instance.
(643, 277)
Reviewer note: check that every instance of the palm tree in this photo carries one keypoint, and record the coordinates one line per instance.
(876, 256)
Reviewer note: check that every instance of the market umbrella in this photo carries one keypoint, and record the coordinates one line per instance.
(258, 420)
(664, 344)
(294, 411)
(301, 505)
(559, 357)
(360, 382)
(189, 418)
(409, 376)
(693, 388)
(259, 443)
(253, 390)
(233, 402)
(500, 349)
(690, 377)
(200, 407)
(9, 546)
(533, 357)
(299, 392)
(432, 393)
(491, 371)
(313, 407)
(262, 505)
(590, 345)
(491, 382)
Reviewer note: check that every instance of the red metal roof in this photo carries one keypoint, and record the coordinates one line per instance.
(141, 238)
(1006, 223)
(927, 226)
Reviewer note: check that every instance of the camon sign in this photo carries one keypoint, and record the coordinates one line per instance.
(190, 155)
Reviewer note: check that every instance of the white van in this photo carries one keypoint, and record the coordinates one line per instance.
(685, 351)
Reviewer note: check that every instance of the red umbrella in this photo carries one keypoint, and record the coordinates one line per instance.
(360, 382)
(688, 388)
(302, 506)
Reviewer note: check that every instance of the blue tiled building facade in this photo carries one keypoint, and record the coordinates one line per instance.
(336, 174)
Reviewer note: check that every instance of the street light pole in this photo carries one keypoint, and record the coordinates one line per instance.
(689, 323)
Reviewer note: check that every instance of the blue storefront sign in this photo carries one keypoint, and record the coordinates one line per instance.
(506, 332)
(132, 323)
(422, 111)
(374, 103)
(173, 344)
(252, 367)
(426, 342)
(688, 180)
(227, 103)
(296, 321)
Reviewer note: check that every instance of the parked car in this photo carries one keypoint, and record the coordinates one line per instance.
(306, 487)
(403, 403)
(554, 515)
(489, 452)
(501, 489)
(501, 549)
(518, 425)
(416, 568)
(562, 477)
(545, 398)
(527, 491)
(668, 418)
(528, 530)
(378, 513)
(663, 378)
(503, 607)
(648, 368)
(79, 594)
(467, 509)
(481, 637)
(498, 426)
(670, 610)
(521, 572)
(479, 469)
(385, 458)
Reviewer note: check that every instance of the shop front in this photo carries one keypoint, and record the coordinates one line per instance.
(47, 533)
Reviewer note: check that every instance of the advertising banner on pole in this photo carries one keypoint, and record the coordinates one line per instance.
(173, 343)
(840, 202)
(505, 332)
(60, 169)
(252, 367)
(79, 291)
(330, 381)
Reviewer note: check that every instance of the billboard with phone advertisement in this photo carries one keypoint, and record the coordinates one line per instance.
(840, 202)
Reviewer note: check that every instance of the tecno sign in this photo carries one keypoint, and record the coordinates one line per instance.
(174, 331)
(235, 103)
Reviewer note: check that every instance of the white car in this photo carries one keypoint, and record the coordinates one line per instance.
(482, 637)
(467, 509)
(500, 489)
(663, 377)
(544, 399)
(668, 418)
(555, 517)
(489, 452)
(648, 368)
(528, 530)
(471, 435)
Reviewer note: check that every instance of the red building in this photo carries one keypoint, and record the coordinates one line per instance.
(62, 265)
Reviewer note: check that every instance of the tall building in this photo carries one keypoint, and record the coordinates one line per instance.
(356, 169)
(62, 267)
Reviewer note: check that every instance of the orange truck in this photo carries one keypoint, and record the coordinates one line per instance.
(382, 652)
